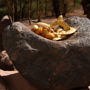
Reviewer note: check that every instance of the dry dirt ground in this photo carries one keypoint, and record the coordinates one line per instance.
(78, 12)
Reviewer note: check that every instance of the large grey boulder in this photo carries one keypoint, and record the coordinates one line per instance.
(47, 64)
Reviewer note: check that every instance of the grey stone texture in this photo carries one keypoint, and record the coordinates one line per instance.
(47, 64)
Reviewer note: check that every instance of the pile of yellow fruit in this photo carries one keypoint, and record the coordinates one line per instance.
(48, 31)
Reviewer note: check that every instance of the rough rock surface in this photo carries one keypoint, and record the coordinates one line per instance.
(5, 62)
(47, 64)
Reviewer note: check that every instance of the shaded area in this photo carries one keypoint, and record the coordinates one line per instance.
(12, 80)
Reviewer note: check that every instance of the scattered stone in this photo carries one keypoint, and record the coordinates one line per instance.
(47, 64)
(5, 62)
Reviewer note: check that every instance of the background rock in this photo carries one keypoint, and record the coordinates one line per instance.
(4, 22)
(5, 62)
(47, 64)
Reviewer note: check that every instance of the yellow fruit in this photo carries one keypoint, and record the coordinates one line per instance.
(35, 27)
(45, 25)
(60, 22)
(62, 32)
(60, 37)
(60, 18)
(39, 30)
(64, 25)
(63, 36)
(44, 32)
(59, 30)
(53, 24)
(50, 35)
(56, 34)
(51, 30)
(69, 32)
(57, 38)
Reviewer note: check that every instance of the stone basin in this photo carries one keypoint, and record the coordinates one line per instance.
(47, 64)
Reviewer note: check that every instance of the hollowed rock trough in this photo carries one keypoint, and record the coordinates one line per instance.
(47, 64)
